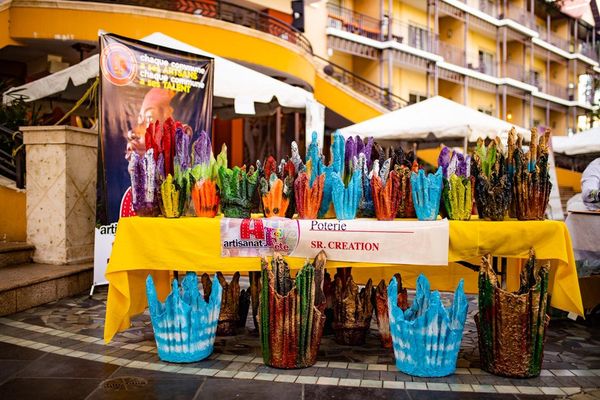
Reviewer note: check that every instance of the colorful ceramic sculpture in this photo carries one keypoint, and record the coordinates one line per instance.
(185, 325)
(308, 197)
(205, 198)
(234, 303)
(531, 181)
(427, 336)
(426, 194)
(238, 189)
(458, 184)
(352, 310)
(406, 208)
(382, 312)
(291, 313)
(172, 202)
(366, 208)
(145, 178)
(492, 184)
(276, 195)
(512, 326)
(386, 196)
(346, 199)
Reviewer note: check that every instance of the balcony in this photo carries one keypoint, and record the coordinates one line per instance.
(228, 12)
(518, 14)
(588, 50)
(414, 35)
(349, 21)
(556, 90)
(376, 93)
(487, 6)
(452, 54)
(482, 62)
(554, 39)
(515, 71)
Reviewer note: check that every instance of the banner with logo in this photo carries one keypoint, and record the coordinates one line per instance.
(387, 242)
(141, 83)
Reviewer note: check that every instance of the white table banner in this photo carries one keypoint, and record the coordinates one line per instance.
(359, 240)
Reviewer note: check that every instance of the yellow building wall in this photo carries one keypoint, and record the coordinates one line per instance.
(452, 31)
(13, 215)
(476, 42)
(5, 39)
(558, 73)
(558, 123)
(514, 53)
(408, 81)
(367, 69)
(539, 114)
(539, 65)
(480, 99)
(367, 7)
(514, 108)
(561, 28)
(409, 14)
(451, 91)
(343, 60)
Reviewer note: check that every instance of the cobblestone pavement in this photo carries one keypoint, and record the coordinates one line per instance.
(59, 346)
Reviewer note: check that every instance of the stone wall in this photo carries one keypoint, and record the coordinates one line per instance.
(61, 192)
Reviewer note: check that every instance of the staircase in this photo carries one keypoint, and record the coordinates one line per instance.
(24, 284)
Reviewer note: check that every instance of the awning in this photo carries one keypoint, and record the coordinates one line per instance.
(587, 142)
(437, 117)
(231, 81)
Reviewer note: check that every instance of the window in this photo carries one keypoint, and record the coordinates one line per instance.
(534, 77)
(417, 37)
(486, 62)
(415, 98)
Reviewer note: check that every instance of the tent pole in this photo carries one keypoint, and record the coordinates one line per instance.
(297, 127)
(278, 133)
(465, 145)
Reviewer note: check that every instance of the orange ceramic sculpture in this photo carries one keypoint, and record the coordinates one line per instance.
(205, 198)
(308, 198)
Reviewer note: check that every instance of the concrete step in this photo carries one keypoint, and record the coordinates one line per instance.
(13, 253)
(29, 285)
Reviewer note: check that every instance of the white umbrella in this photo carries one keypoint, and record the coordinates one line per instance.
(581, 143)
(437, 116)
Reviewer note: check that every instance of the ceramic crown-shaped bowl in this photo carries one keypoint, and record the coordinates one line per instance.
(426, 337)
(185, 325)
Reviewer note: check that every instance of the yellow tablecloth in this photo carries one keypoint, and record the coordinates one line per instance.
(161, 245)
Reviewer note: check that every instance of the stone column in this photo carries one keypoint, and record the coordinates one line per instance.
(61, 192)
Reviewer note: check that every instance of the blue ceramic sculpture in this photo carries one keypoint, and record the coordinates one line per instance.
(426, 194)
(346, 199)
(184, 325)
(366, 209)
(426, 337)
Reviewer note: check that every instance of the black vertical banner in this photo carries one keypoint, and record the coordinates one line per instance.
(142, 83)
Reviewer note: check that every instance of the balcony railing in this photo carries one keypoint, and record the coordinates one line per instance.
(554, 39)
(475, 62)
(556, 90)
(353, 22)
(588, 50)
(414, 35)
(228, 12)
(452, 54)
(376, 93)
(515, 71)
(487, 6)
(519, 15)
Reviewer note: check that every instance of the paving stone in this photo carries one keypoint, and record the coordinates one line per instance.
(483, 388)
(460, 387)
(415, 385)
(285, 378)
(370, 383)
(529, 390)
(506, 389)
(438, 386)
(349, 382)
(309, 380)
(263, 376)
(327, 381)
(393, 385)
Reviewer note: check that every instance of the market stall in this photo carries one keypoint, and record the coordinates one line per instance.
(161, 245)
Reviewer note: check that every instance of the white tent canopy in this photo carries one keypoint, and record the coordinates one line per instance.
(231, 81)
(437, 116)
(586, 142)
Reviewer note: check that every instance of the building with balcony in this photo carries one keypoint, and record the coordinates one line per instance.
(521, 60)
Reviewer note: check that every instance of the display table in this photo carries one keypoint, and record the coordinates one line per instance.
(160, 245)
